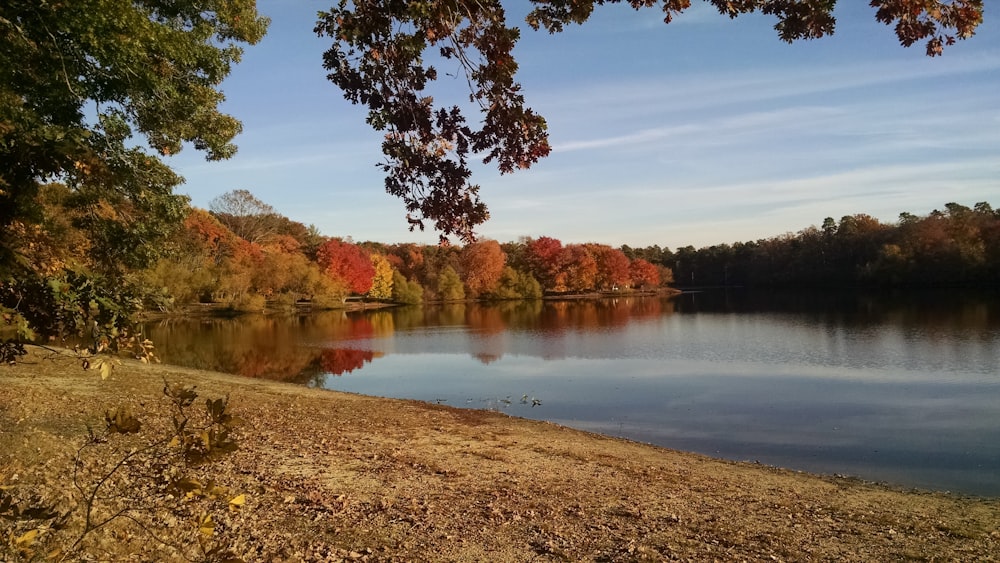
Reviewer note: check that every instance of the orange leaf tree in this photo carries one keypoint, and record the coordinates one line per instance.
(482, 264)
(644, 274)
(612, 267)
(580, 268)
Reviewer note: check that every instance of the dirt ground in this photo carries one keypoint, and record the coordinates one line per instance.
(327, 476)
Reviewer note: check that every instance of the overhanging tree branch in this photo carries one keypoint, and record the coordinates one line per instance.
(377, 60)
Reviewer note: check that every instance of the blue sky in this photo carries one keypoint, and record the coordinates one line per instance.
(699, 132)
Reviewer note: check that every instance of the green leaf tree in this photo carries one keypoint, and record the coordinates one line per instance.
(449, 285)
(515, 284)
(405, 291)
(80, 84)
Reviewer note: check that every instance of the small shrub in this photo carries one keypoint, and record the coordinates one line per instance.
(10, 351)
(131, 482)
(246, 303)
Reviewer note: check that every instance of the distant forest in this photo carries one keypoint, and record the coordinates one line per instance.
(959, 246)
(244, 255)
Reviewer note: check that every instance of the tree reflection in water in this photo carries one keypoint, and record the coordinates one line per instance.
(295, 349)
(338, 361)
(304, 349)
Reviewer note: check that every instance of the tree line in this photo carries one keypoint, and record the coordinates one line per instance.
(956, 246)
(244, 255)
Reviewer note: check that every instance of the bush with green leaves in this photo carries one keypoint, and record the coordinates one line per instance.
(405, 291)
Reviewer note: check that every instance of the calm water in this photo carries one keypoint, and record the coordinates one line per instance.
(904, 389)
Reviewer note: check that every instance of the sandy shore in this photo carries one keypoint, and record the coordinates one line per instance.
(327, 476)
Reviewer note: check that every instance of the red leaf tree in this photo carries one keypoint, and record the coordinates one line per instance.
(544, 257)
(644, 274)
(347, 263)
(612, 267)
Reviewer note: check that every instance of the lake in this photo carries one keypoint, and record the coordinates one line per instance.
(902, 388)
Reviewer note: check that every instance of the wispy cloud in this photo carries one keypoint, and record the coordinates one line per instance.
(692, 91)
(707, 210)
(340, 155)
(721, 129)
(940, 178)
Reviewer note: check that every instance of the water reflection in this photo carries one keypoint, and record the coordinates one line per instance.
(867, 384)
(956, 334)
(279, 348)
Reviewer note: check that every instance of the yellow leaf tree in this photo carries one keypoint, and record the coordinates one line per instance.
(382, 282)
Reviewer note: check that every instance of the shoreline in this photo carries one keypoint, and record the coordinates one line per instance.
(332, 476)
(199, 310)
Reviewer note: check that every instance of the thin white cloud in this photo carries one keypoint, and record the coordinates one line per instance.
(939, 179)
(707, 211)
(340, 154)
(683, 93)
(722, 130)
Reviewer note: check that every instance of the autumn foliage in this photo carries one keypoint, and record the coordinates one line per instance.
(482, 262)
(347, 263)
(543, 257)
(644, 274)
(209, 262)
(206, 261)
(612, 267)
(577, 268)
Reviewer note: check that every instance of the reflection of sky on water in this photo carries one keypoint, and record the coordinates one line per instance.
(881, 403)
(901, 390)
(726, 338)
